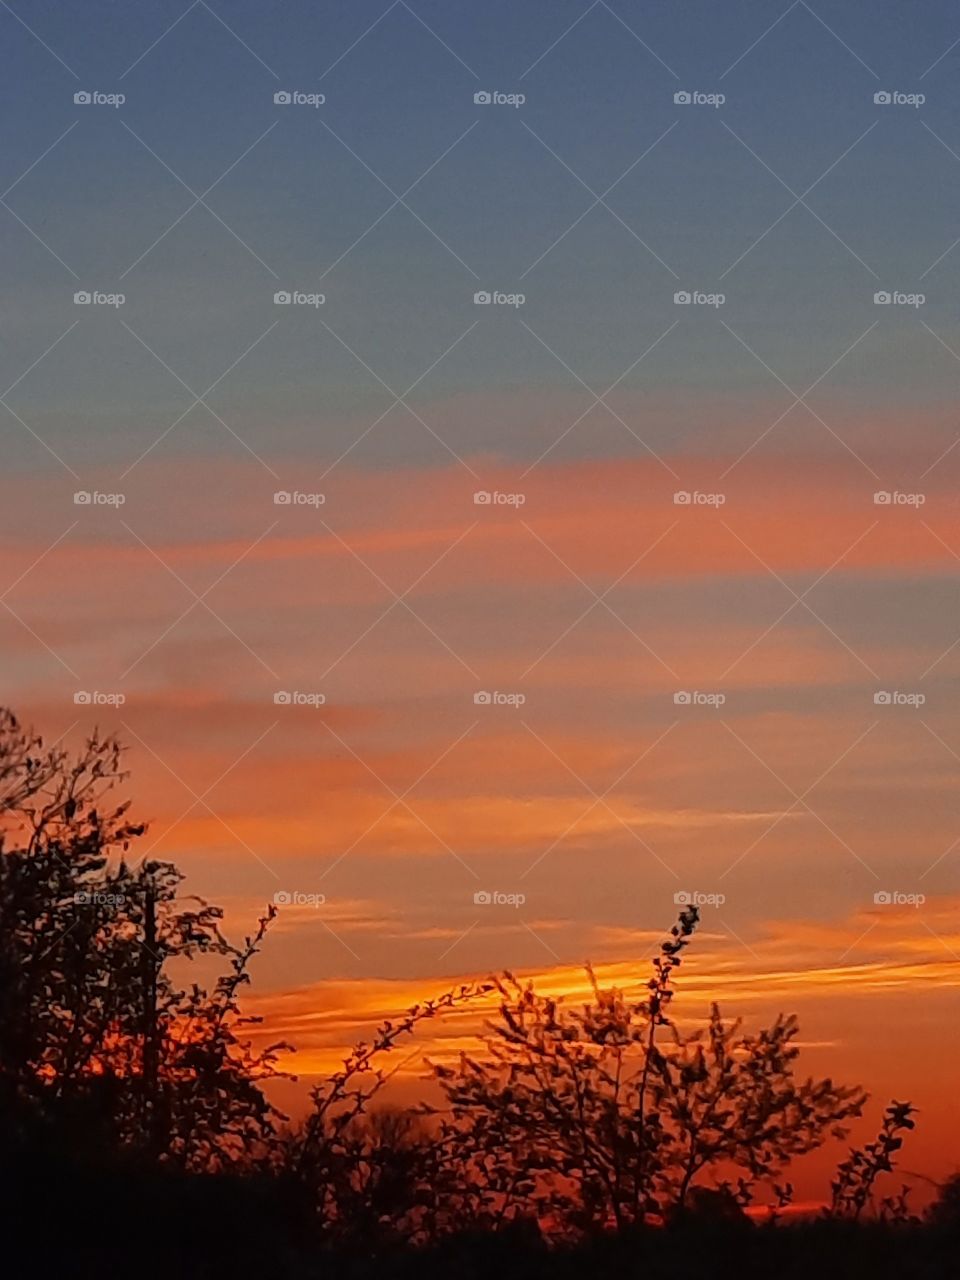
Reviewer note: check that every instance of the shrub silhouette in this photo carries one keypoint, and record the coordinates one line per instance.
(606, 1115)
(945, 1210)
(347, 1157)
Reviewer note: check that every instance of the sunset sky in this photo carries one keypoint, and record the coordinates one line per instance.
(778, 603)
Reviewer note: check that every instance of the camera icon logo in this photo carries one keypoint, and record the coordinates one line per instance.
(882, 698)
(482, 298)
(82, 498)
(281, 698)
(483, 898)
(282, 298)
(283, 498)
(282, 898)
(682, 98)
(82, 99)
(883, 898)
(882, 298)
(882, 99)
(82, 298)
(682, 699)
(481, 498)
(81, 698)
(482, 698)
(682, 298)
(881, 498)
(282, 98)
(482, 99)
(681, 498)
(683, 898)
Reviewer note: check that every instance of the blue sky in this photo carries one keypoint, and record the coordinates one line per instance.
(599, 83)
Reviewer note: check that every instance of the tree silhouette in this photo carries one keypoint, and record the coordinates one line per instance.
(100, 1049)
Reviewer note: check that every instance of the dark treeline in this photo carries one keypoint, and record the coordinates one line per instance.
(594, 1139)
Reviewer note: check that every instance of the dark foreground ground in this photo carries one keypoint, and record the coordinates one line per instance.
(783, 1254)
(59, 1223)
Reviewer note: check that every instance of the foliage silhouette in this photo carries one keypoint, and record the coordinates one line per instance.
(603, 1137)
(855, 1178)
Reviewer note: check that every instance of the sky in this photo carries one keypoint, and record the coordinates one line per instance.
(484, 634)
